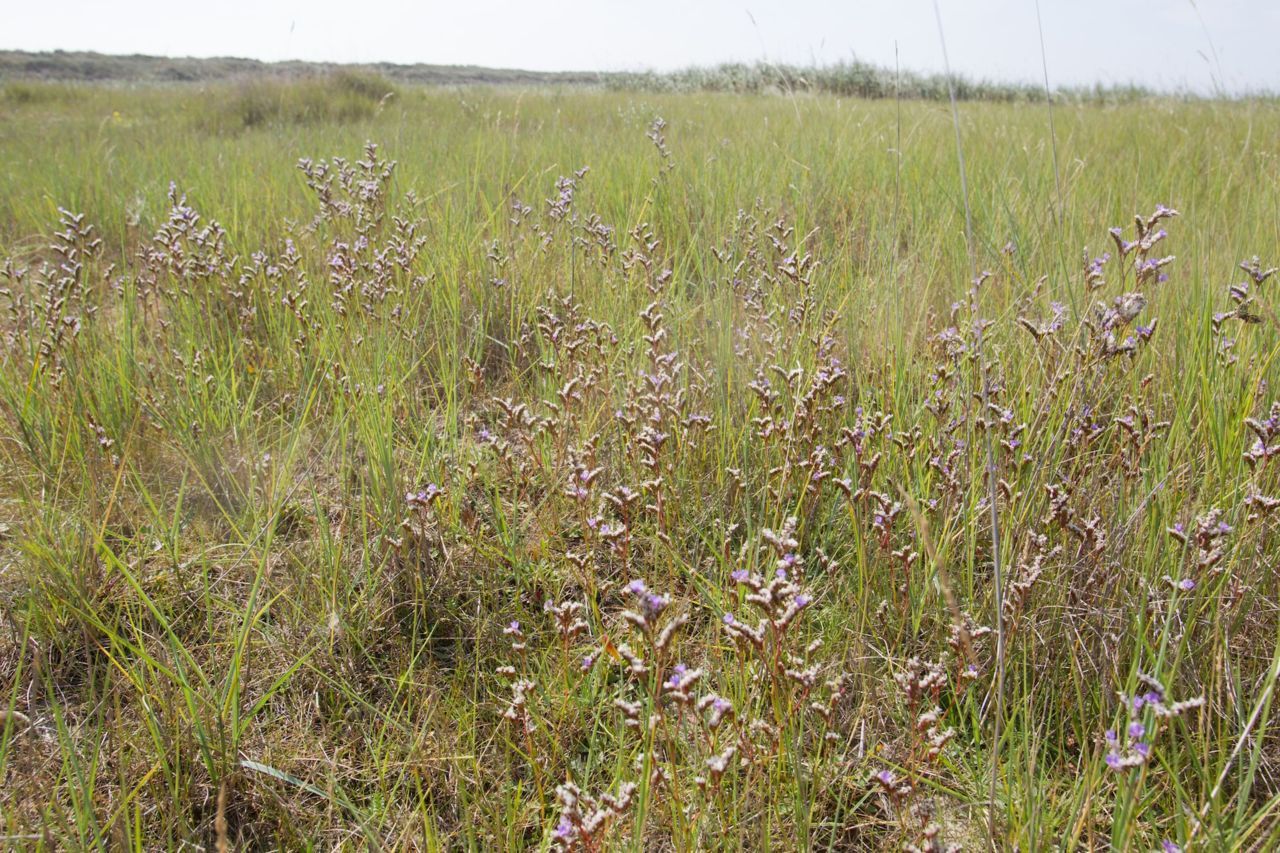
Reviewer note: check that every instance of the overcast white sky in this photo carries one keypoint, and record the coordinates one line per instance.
(1160, 43)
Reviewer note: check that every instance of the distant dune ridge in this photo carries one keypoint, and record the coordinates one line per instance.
(848, 79)
(99, 67)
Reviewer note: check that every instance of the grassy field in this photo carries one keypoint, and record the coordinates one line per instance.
(607, 470)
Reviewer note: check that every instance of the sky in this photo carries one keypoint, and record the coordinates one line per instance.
(1196, 45)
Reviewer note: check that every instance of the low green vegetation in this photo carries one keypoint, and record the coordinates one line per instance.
(848, 79)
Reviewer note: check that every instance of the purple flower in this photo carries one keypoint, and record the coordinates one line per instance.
(782, 574)
(803, 600)
(1137, 730)
(677, 672)
(1113, 760)
(1142, 748)
(637, 587)
(424, 497)
(1168, 846)
(739, 575)
(728, 619)
(564, 829)
(1111, 736)
(1187, 584)
(654, 605)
